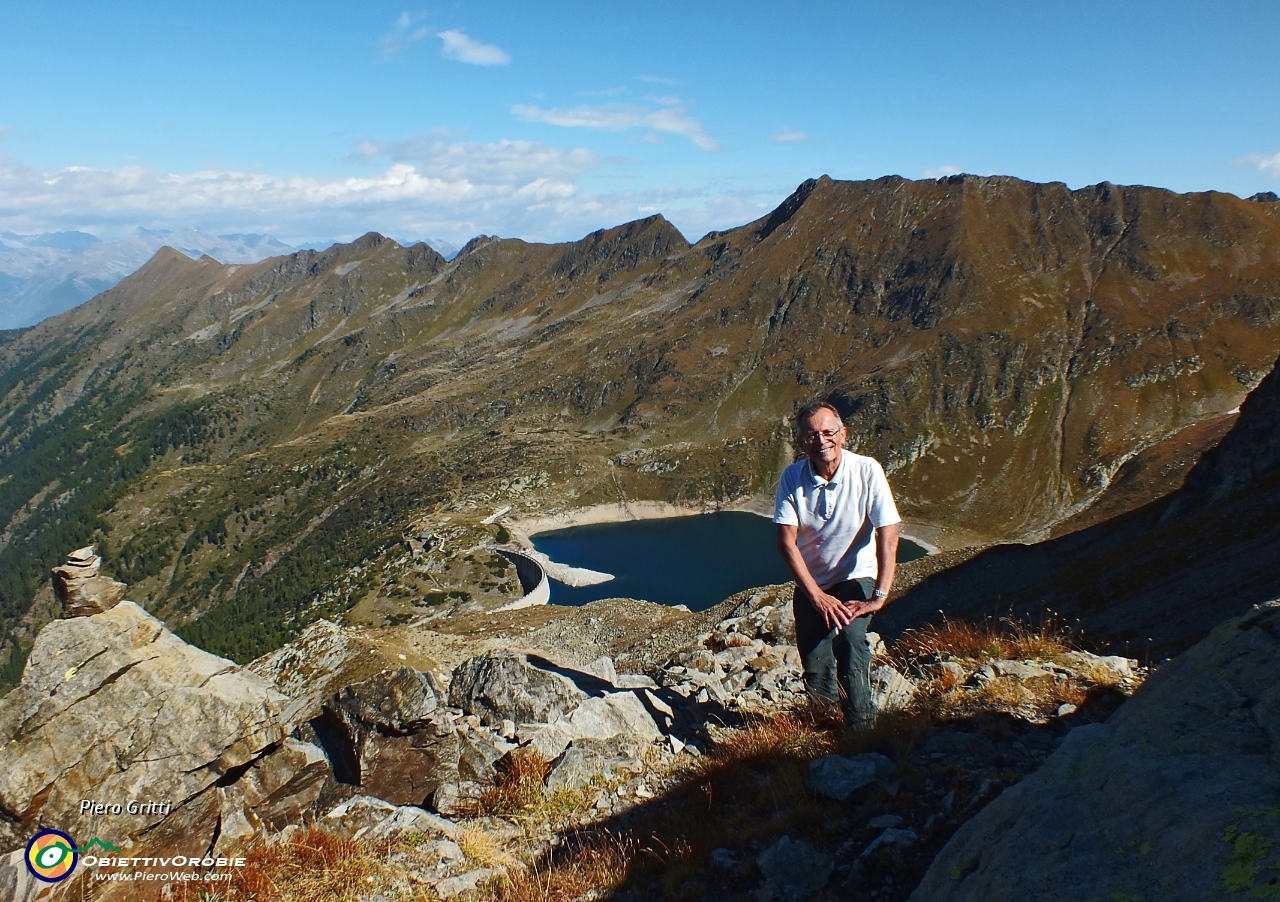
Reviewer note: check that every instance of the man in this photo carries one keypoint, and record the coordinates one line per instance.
(838, 533)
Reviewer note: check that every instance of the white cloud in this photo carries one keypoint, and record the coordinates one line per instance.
(432, 185)
(405, 32)
(659, 80)
(1268, 164)
(502, 161)
(458, 46)
(938, 172)
(622, 116)
(786, 135)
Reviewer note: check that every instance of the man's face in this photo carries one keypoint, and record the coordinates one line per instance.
(822, 437)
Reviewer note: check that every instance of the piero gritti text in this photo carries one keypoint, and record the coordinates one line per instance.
(133, 806)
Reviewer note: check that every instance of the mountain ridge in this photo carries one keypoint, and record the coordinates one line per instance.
(1004, 347)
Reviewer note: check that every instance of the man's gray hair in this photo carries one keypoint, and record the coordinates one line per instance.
(810, 409)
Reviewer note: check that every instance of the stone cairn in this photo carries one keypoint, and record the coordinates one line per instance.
(80, 587)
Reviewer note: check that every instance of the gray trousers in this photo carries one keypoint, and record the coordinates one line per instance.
(837, 662)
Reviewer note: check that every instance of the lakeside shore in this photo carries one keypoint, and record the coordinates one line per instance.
(618, 512)
(522, 529)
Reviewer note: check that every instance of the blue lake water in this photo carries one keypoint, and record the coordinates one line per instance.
(695, 561)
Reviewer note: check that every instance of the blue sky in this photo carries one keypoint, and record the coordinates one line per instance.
(321, 120)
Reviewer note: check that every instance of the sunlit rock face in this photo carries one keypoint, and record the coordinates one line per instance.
(1188, 763)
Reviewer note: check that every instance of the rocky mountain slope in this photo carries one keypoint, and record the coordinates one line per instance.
(251, 444)
(159, 760)
(1152, 579)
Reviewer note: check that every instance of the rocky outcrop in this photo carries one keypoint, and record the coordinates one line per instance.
(582, 722)
(114, 709)
(1174, 798)
(793, 870)
(80, 587)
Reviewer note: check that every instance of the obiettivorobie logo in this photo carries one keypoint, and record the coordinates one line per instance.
(52, 855)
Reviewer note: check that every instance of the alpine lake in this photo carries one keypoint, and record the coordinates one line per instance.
(695, 561)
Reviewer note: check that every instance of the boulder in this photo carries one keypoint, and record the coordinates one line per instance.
(794, 870)
(381, 736)
(395, 702)
(81, 589)
(839, 776)
(604, 669)
(1083, 662)
(406, 770)
(548, 740)
(465, 882)
(113, 707)
(452, 799)
(779, 627)
(1020, 670)
(478, 756)
(892, 837)
(278, 789)
(506, 685)
(1174, 798)
(613, 714)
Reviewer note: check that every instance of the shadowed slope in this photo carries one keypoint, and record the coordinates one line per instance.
(1155, 579)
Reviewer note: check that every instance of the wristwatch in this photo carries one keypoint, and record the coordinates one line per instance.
(880, 593)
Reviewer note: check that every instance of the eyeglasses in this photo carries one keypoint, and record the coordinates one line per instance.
(829, 434)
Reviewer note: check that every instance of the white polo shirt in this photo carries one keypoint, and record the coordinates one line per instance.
(835, 520)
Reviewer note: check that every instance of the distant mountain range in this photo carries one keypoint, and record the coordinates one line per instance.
(44, 275)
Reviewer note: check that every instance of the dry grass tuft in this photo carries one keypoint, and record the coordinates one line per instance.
(803, 732)
(594, 862)
(316, 867)
(1101, 675)
(483, 850)
(518, 788)
(1002, 639)
(1004, 692)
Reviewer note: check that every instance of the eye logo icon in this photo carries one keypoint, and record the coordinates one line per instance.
(51, 856)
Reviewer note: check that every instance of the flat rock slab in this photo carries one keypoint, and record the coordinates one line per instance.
(589, 758)
(839, 776)
(366, 817)
(1176, 798)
